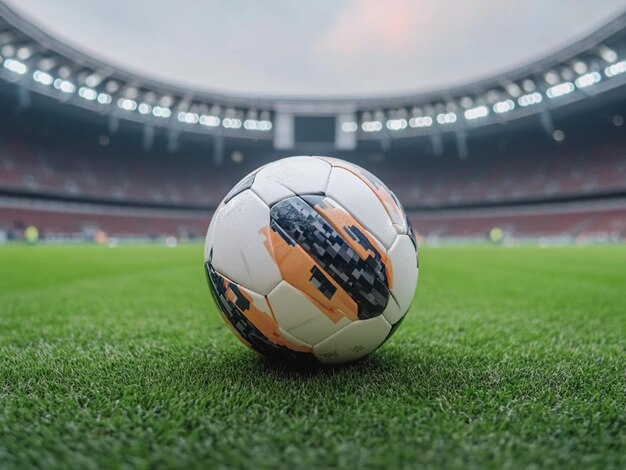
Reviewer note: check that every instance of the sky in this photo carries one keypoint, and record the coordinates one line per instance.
(318, 48)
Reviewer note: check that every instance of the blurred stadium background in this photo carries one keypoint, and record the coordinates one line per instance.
(92, 152)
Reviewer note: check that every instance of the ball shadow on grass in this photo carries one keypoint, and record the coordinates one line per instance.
(392, 371)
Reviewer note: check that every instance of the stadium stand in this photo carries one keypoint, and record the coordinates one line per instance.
(535, 157)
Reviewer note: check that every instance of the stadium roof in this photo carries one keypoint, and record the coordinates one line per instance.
(40, 63)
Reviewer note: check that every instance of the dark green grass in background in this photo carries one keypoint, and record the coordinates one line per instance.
(508, 358)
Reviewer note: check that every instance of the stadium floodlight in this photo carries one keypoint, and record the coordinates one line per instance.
(503, 106)
(231, 123)
(476, 113)
(529, 99)
(615, 69)
(349, 126)
(161, 112)
(551, 77)
(93, 80)
(372, 126)
(127, 104)
(396, 124)
(24, 53)
(559, 90)
(144, 108)
(256, 125)
(209, 121)
(513, 89)
(15, 66)
(421, 121)
(104, 98)
(87, 93)
(64, 85)
(188, 118)
(43, 77)
(446, 118)
(588, 79)
(251, 124)
(580, 67)
(607, 54)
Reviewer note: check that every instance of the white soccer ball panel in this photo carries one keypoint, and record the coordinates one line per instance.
(291, 176)
(258, 301)
(389, 200)
(285, 334)
(359, 200)
(356, 340)
(403, 259)
(392, 312)
(300, 317)
(239, 250)
(210, 234)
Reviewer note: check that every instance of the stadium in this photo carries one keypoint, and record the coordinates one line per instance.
(113, 355)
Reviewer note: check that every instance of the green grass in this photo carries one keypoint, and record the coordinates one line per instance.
(117, 358)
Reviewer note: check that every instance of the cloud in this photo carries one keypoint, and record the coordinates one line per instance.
(390, 27)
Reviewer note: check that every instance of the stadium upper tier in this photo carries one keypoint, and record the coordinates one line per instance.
(39, 63)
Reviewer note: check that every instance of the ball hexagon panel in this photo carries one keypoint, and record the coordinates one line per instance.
(249, 316)
(291, 176)
(208, 241)
(361, 202)
(354, 341)
(403, 259)
(387, 198)
(298, 315)
(239, 250)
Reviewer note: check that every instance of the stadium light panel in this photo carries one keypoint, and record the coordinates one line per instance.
(529, 99)
(446, 118)
(476, 113)
(559, 90)
(256, 125)
(251, 124)
(421, 121)
(144, 108)
(161, 112)
(87, 93)
(372, 126)
(503, 106)
(580, 67)
(8, 50)
(608, 54)
(551, 77)
(127, 104)
(616, 69)
(15, 66)
(92, 80)
(24, 53)
(43, 77)
(188, 118)
(64, 85)
(231, 123)
(104, 98)
(396, 124)
(209, 121)
(588, 79)
(350, 126)
(513, 89)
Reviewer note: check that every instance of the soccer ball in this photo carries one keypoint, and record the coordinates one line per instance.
(311, 258)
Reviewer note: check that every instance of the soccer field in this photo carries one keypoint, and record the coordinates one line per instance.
(508, 358)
